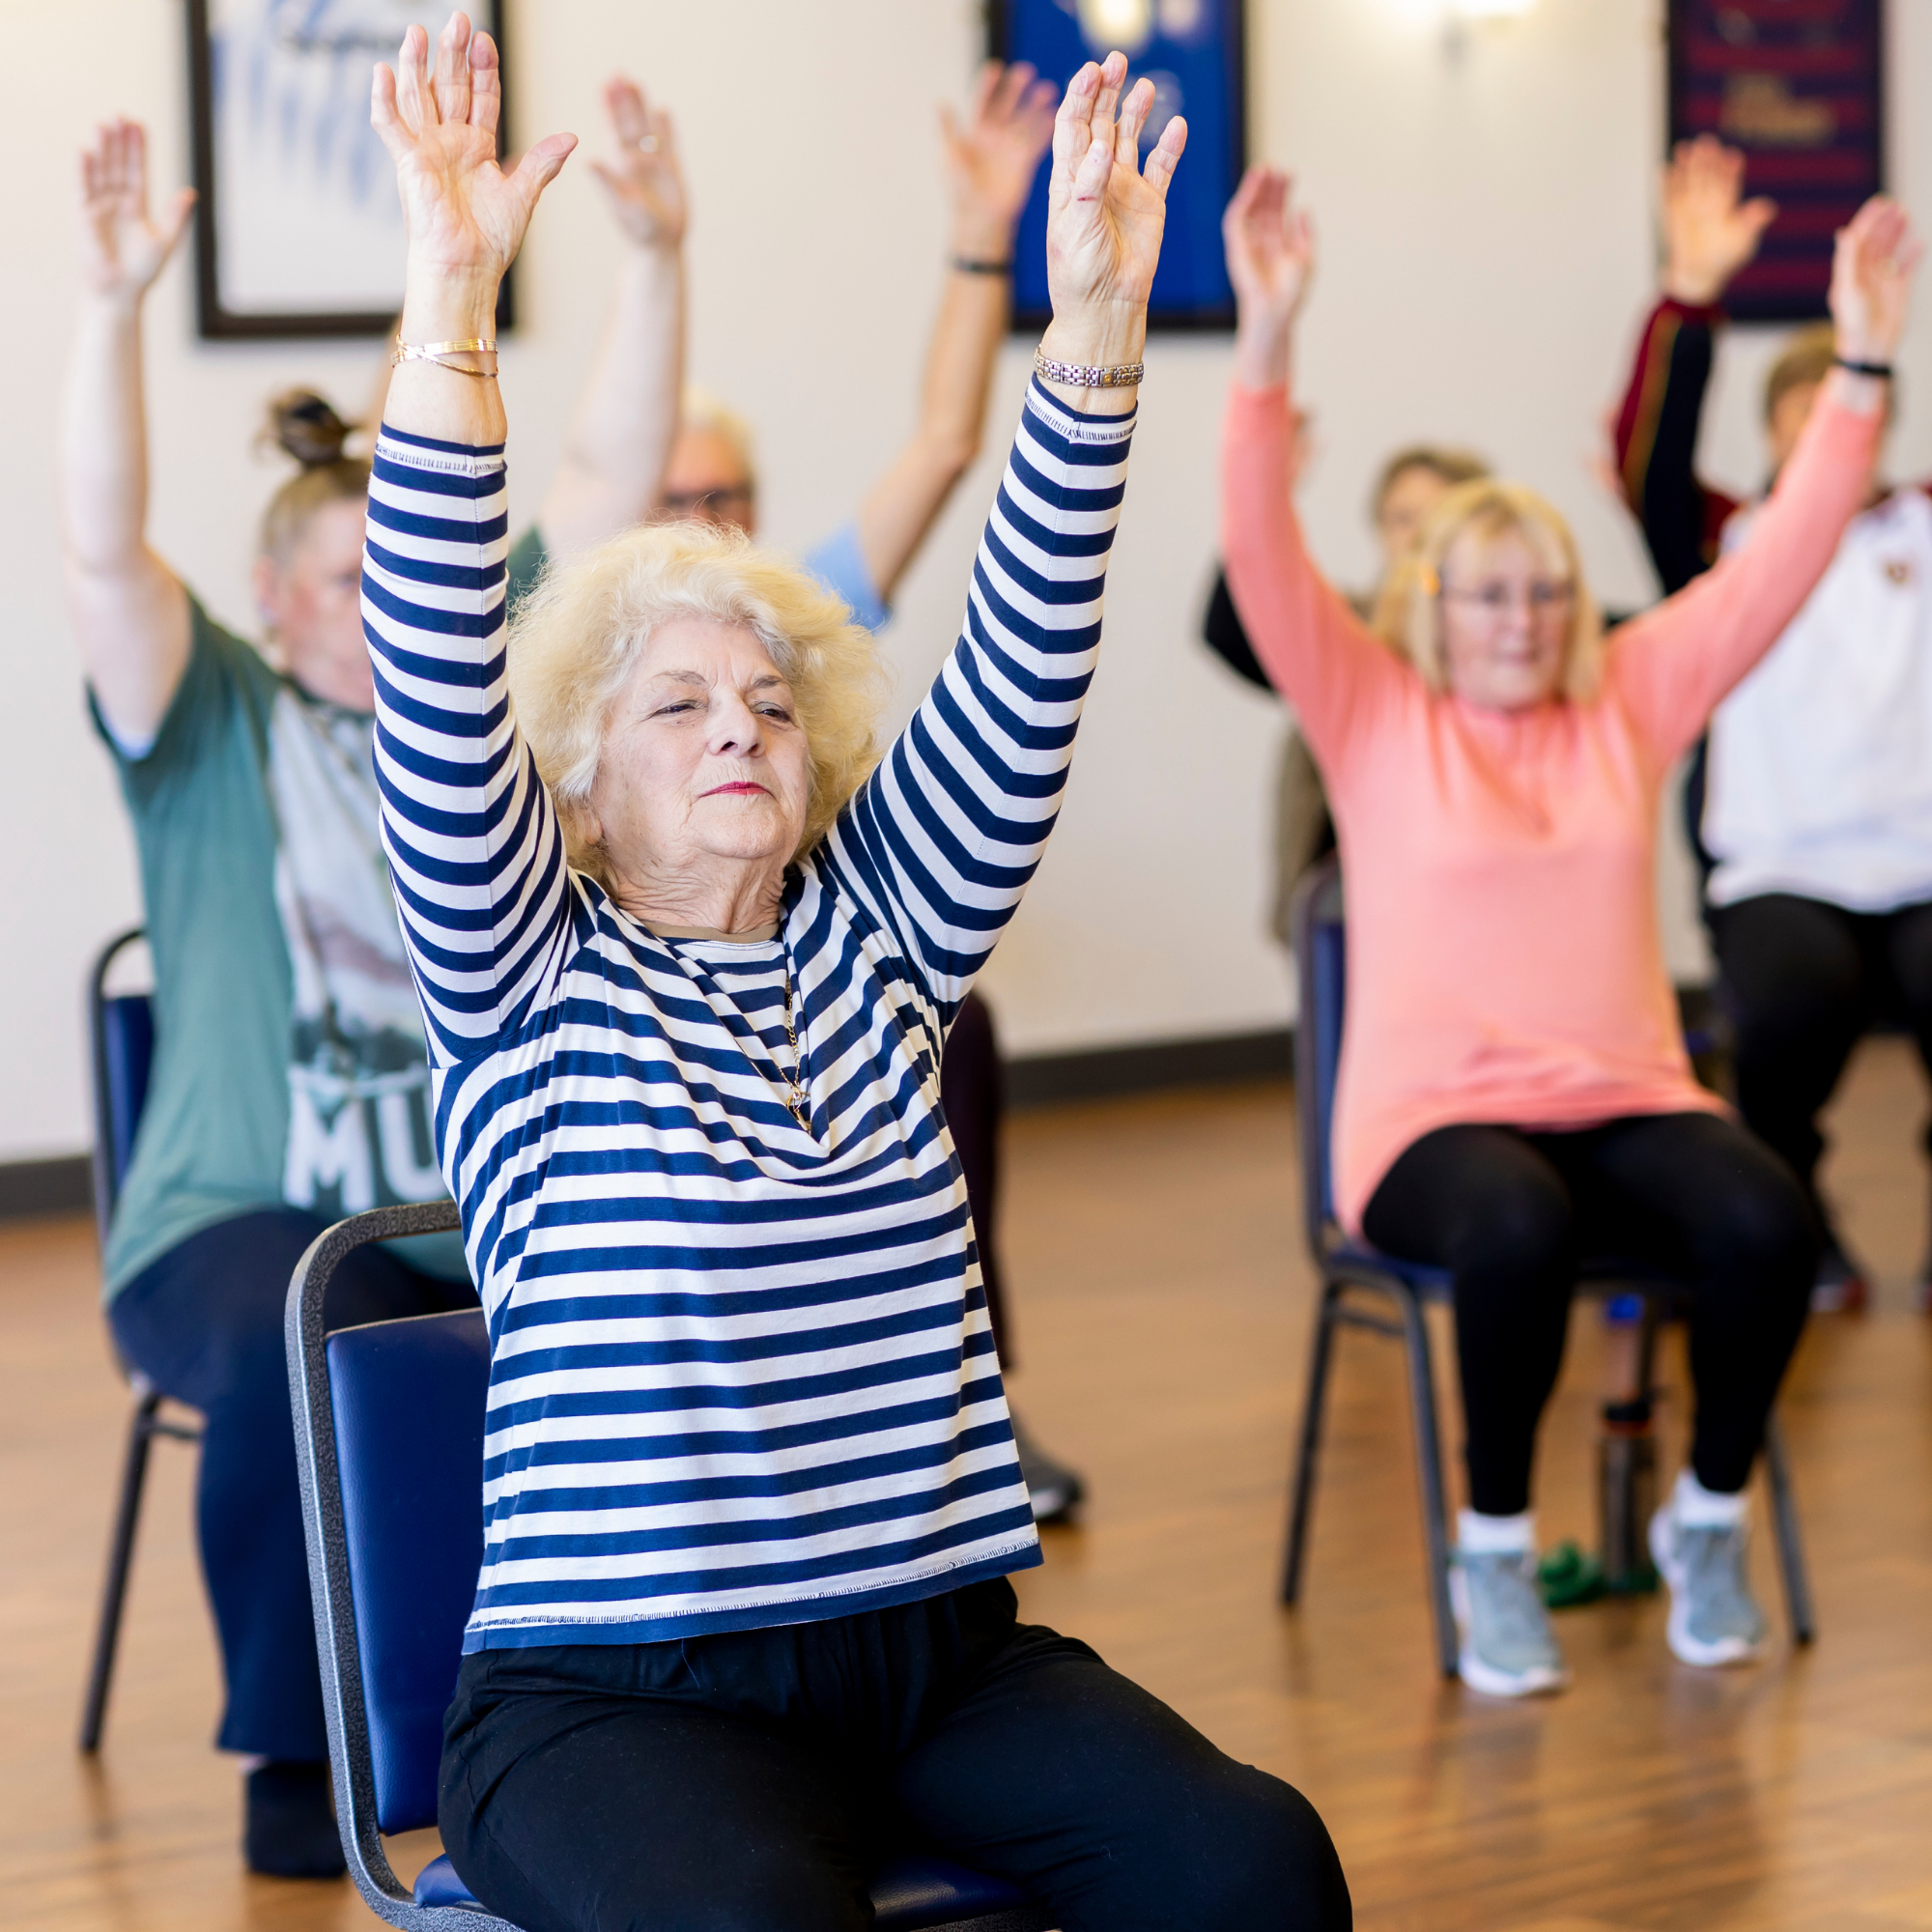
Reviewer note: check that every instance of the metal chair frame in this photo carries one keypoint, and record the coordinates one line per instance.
(331, 1588)
(1351, 1271)
(147, 1420)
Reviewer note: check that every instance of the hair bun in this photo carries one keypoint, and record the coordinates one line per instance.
(307, 428)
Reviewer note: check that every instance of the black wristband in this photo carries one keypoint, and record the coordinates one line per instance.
(1882, 370)
(970, 265)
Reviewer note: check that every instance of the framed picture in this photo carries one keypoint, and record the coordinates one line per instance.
(1194, 53)
(1799, 89)
(298, 232)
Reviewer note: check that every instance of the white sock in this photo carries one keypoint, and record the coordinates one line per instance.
(1495, 1535)
(1698, 1508)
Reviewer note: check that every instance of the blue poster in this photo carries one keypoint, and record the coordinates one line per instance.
(1191, 50)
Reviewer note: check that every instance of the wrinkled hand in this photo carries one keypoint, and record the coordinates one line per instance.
(643, 181)
(993, 154)
(1104, 215)
(122, 248)
(1710, 231)
(1270, 245)
(1872, 267)
(465, 217)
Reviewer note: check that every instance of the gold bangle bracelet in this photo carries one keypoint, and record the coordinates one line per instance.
(439, 352)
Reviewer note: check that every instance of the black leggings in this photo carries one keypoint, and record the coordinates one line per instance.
(203, 1325)
(1803, 980)
(744, 1783)
(1511, 1214)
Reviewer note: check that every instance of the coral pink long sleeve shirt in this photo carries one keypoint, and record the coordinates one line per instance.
(1504, 962)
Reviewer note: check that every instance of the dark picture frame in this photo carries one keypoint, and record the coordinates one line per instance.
(1196, 51)
(1801, 90)
(272, 75)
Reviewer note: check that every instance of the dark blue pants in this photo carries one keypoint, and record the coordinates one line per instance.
(746, 1781)
(204, 1324)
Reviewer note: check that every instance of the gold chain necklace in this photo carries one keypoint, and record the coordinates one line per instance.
(795, 1097)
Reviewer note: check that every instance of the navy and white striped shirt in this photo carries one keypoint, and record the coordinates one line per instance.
(741, 1374)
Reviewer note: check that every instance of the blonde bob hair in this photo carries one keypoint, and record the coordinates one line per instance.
(577, 638)
(1408, 614)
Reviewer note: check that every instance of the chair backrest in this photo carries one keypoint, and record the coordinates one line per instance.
(389, 1439)
(121, 1043)
(1318, 937)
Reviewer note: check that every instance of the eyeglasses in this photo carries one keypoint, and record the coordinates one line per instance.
(718, 503)
(1544, 598)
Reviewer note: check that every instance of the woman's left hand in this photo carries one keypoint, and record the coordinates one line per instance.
(465, 217)
(1871, 279)
(1104, 215)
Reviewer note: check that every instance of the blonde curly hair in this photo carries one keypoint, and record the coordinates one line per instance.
(1408, 614)
(576, 636)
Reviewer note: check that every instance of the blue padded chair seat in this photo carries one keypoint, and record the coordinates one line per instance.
(409, 1399)
(907, 1892)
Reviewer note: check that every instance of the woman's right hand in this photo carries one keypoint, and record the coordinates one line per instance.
(1710, 230)
(1271, 245)
(1872, 267)
(464, 216)
(122, 248)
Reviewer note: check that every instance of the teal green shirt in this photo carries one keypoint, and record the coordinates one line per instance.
(213, 1135)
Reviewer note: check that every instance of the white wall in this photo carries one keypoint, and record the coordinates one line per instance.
(1487, 251)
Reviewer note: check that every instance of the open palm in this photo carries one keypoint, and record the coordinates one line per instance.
(122, 247)
(642, 180)
(1872, 267)
(1710, 230)
(1270, 247)
(1104, 215)
(994, 153)
(463, 213)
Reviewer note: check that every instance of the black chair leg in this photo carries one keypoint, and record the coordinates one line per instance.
(1428, 1471)
(1302, 1493)
(141, 1432)
(1790, 1538)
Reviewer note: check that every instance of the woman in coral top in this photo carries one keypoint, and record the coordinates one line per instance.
(1514, 1088)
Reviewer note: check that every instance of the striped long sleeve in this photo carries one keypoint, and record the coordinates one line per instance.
(741, 1367)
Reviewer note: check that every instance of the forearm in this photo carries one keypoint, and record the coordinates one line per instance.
(428, 400)
(1656, 431)
(1314, 649)
(903, 504)
(626, 417)
(103, 468)
(130, 614)
(1676, 663)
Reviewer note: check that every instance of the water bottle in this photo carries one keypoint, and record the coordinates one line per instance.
(1627, 1494)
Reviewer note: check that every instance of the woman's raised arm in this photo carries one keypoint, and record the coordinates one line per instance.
(1316, 651)
(1673, 665)
(943, 837)
(129, 610)
(475, 853)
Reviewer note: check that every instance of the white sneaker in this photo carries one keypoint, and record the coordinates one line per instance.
(1508, 1647)
(1713, 1617)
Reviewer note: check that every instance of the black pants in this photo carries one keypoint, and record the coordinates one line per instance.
(204, 1324)
(972, 1090)
(1803, 980)
(744, 1782)
(1511, 1214)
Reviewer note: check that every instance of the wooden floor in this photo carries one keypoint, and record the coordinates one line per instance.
(1162, 1304)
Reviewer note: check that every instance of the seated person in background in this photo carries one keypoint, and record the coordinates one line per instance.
(290, 1083)
(1514, 1091)
(1408, 489)
(1813, 817)
(689, 953)
(991, 159)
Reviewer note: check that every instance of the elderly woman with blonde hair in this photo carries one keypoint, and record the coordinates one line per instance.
(1514, 1089)
(688, 948)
